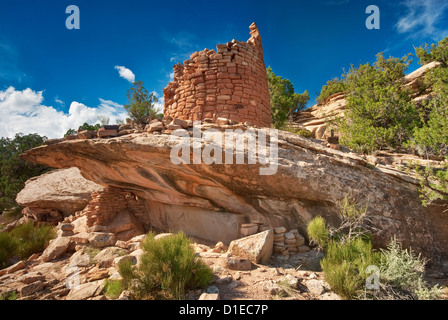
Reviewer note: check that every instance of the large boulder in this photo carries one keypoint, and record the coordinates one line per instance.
(257, 247)
(64, 190)
(56, 248)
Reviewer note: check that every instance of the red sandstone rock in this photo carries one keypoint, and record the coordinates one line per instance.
(213, 84)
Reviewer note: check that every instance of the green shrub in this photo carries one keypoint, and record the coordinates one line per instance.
(284, 102)
(344, 265)
(9, 296)
(32, 239)
(141, 108)
(113, 288)
(333, 86)
(168, 264)
(403, 269)
(318, 232)
(380, 113)
(300, 132)
(8, 248)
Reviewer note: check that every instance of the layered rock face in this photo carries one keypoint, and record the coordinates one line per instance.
(229, 83)
(213, 201)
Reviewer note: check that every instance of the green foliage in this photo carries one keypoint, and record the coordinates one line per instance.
(349, 251)
(85, 126)
(70, 132)
(113, 288)
(14, 171)
(32, 239)
(380, 114)
(168, 264)
(141, 107)
(9, 246)
(403, 270)
(432, 136)
(333, 86)
(284, 102)
(345, 264)
(9, 296)
(23, 241)
(300, 132)
(434, 52)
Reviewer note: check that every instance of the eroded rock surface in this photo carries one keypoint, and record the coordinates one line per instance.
(212, 201)
(65, 190)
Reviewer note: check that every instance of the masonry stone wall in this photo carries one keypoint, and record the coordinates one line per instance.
(229, 83)
(118, 210)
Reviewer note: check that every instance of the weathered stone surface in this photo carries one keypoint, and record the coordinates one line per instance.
(105, 257)
(209, 296)
(80, 259)
(31, 288)
(257, 248)
(154, 126)
(101, 239)
(85, 134)
(57, 247)
(125, 226)
(15, 267)
(236, 263)
(85, 291)
(107, 133)
(315, 287)
(65, 190)
(49, 215)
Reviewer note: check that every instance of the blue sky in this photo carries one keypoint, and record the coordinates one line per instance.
(52, 78)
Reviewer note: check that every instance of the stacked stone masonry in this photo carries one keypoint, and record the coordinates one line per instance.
(286, 243)
(229, 83)
(114, 203)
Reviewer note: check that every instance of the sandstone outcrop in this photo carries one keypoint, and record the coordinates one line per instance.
(213, 201)
(64, 190)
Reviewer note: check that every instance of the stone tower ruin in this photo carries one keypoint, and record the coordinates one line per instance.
(230, 83)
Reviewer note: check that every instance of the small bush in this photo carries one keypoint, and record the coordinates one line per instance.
(113, 288)
(9, 296)
(345, 264)
(8, 248)
(32, 239)
(169, 265)
(318, 232)
(300, 132)
(23, 241)
(332, 87)
(403, 269)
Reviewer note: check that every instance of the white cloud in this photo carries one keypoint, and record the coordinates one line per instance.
(23, 111)
(423, 19)
(159, 105)
(126, 73)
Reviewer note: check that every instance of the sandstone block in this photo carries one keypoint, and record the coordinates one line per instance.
(56, 248)
(107, 133)
(236, 263)
(101, 239)
(257, 248)
(280, 230)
